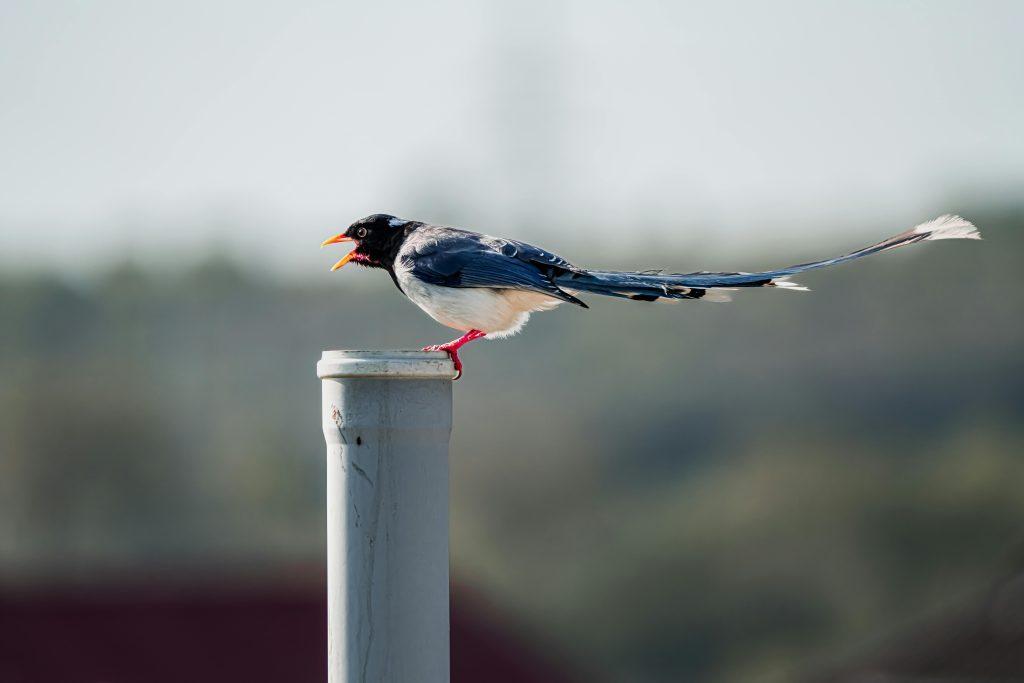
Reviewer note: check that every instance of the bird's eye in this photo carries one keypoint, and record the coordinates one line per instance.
(361, 233)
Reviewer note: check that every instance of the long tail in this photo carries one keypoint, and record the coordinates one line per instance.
(653, 285)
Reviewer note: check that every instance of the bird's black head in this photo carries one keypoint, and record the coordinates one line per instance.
(377, 238)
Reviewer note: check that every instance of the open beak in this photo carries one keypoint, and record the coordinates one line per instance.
(335, 240)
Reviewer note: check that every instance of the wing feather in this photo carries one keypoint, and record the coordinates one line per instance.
(456, 258)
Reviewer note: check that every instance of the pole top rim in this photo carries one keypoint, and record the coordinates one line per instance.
(385, 364)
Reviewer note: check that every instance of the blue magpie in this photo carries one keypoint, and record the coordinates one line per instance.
(488, 287)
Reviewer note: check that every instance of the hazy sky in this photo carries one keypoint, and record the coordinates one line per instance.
(158, 127)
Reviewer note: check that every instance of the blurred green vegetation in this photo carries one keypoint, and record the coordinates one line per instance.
(666, 492)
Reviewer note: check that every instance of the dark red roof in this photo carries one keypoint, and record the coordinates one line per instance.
(117, 633)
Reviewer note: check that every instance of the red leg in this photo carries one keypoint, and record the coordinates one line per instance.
(452, 348)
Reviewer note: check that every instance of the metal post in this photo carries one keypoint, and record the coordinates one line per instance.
(387, 418)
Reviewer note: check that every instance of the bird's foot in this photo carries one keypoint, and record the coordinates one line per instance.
(453, 353)
(452, 348)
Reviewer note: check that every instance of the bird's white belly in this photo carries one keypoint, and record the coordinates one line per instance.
(498, 312)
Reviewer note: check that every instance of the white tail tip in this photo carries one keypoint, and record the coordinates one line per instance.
(948, 227)
(791, 286)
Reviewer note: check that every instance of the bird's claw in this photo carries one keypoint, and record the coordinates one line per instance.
(452, 348)
(453, 353)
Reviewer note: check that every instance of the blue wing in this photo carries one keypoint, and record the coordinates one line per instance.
(455, 258)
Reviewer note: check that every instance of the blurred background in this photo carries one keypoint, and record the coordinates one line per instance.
(821, 486)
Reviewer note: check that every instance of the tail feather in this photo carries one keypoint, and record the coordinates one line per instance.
(653, 285)
(948, 227)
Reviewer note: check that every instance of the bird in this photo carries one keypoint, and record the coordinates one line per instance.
(487, 286)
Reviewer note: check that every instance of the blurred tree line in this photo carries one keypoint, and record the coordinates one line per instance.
(693, 491)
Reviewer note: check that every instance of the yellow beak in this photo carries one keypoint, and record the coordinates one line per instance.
(343, 261)
(335, 240)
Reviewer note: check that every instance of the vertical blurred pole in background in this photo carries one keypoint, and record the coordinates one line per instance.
(387, 418)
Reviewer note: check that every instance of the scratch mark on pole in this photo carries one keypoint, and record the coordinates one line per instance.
(361, 472)
(336, 418)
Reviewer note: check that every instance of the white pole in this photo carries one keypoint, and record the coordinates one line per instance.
(387, 418)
